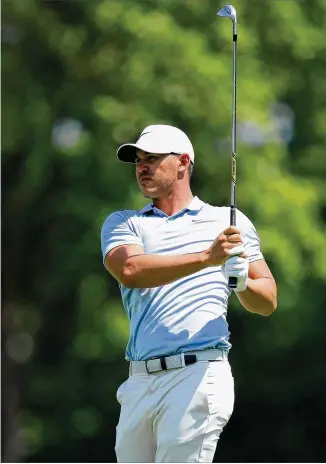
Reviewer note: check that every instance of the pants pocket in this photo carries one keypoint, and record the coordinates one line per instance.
(120, 391)
(220, 389)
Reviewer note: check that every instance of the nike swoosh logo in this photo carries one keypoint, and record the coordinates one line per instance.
(203, 220)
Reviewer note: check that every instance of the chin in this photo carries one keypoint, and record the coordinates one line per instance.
(149, 193)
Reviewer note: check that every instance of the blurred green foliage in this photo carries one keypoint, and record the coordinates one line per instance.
(81, 77)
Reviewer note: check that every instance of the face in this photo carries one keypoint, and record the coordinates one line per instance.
(157, 174)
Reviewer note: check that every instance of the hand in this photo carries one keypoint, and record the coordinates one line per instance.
(238, 267)
(228, 243)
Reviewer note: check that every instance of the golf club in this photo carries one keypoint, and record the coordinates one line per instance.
(230, 12)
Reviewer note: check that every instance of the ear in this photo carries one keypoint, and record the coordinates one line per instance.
(184, 160)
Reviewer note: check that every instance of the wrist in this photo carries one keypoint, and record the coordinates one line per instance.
(209, 260)
(204, 258)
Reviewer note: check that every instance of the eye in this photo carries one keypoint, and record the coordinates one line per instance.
(152, 158)
(149, 159)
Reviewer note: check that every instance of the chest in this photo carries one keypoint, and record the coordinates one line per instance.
(179, 235)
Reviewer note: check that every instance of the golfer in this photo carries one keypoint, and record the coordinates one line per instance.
(173, 259)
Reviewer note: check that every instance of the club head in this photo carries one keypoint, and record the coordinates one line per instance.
(228, 11)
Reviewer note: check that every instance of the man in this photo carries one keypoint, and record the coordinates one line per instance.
(173, 260)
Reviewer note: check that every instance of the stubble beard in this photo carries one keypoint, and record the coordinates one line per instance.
(161, 190)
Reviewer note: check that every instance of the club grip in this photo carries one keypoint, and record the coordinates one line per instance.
(233, 282)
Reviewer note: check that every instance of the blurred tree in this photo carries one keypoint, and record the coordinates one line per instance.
(79, 79)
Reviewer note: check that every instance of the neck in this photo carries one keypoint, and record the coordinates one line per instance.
(174, 202)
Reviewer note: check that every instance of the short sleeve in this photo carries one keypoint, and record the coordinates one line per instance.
(118, 230)
(250, 236)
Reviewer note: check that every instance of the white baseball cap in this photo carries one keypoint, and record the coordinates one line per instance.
(159, 139)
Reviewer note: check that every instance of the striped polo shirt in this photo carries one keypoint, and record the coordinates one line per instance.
(190, 313)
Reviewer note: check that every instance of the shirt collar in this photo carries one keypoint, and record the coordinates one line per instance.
(147, 208)
(195, 205)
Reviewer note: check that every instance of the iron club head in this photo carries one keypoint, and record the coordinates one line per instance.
(228, 11)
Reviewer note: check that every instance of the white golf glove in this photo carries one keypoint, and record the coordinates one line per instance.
(237, 267)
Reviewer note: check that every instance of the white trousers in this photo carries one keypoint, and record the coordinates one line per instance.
(176, 415)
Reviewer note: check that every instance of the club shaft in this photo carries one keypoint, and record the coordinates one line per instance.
(230, 12)
(234, 135)
(233, 281)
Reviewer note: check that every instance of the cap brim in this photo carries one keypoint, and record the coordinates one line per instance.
(127, 153)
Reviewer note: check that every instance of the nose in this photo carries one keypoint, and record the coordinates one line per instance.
(142, 166)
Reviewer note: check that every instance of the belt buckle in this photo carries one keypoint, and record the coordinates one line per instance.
(146, 367)
(162, 360)
(183, 362)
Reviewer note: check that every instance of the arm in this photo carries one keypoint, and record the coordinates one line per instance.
(260, 297)
(134, 269)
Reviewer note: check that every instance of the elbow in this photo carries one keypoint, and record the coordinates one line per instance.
(274, 304)
(127, 281)
(274, 301)
(269, 311)
(128, 276)
(270, 308)
(271, 301)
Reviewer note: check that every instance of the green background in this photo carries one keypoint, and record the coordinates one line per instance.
(81, 77)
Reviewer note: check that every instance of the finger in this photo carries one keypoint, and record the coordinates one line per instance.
(232, 244)
(231, 230)
(228, 247)
(243, 255)
(234, 238)
(235, 263)
(237, 250)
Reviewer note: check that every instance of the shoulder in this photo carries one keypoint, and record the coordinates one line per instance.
(222, 213)
(118, 218)
(244, 220)
(216, 211)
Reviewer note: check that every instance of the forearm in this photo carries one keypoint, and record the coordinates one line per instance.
(260, 297)
(148, 271)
